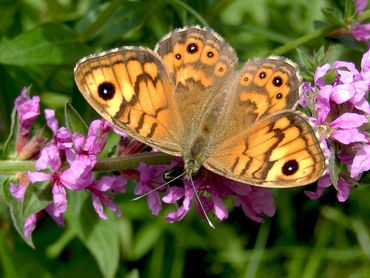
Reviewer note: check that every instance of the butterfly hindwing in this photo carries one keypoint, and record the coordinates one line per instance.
(280, 151)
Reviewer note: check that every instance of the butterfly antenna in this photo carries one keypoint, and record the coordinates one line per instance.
(157, 188)
(201, 205)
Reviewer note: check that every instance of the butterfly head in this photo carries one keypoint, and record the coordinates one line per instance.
(191, 167)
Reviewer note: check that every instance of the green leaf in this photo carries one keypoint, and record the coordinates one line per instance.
(146, 239)
(34, 201)
(349, 8)
(99, 236)
(335, 16)
(334, 166)
(45, 45)
(73, 119)
(12, 132)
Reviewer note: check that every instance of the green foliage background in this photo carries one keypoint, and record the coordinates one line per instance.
(40, 41)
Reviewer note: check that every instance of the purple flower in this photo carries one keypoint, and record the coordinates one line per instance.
(28, 109)
(361, 161)
(62, 137)
(343, 189)
(86, 148)
(360, 5)
(341, 108)
(255, 201)
(30, 225)
(174, 195)
(151, 176)
(358, 30)
(106, 184)
(72, 179)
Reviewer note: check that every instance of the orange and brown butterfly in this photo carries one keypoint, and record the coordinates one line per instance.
(188, 98)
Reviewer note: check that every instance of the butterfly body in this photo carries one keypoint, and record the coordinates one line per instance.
(188, 99)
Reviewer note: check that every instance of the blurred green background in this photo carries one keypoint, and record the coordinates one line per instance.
(40, 41)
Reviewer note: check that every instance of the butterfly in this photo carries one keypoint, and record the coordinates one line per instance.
(188, 98)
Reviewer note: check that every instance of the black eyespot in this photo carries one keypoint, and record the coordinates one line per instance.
(279, 95)
(106, 90)
(210, 54)
(277, 81)
(192, 48)
(178, 56)
(220, 69)
(246, 79)
(262, 74)
(290, 167)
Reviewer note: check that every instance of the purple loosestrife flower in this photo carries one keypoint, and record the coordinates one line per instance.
(28, 109)
(255, 201)
(360, 31)
(340, 109)
(106, 184)
(151, 176)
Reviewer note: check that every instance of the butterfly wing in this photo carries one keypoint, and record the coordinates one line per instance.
(279, 151)
(201, 66)
(130, 88)
(263, 86)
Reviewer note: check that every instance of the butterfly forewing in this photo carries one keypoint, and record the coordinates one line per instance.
(131, 89)
(201, 65)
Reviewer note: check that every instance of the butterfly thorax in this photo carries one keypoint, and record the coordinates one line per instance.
(195, 154)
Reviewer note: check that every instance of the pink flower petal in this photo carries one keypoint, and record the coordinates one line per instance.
(59, 200)
(360, 5)
(347, 136)
(323, 182)
(30, 225)
(98, 206)
(49, 158)
(154, 203)
(174, 194)
(39, 176)
(342, 93)
(343, 190)
(320, 73)
(51, 120)
(220, 209)
(17, 190)
(349, 120)
(361, 161)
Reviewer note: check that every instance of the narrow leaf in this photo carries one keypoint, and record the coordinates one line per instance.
(73, 119)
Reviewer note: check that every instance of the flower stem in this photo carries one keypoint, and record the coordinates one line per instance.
(132, 161)
(302, 40)
(14, 166)
(104, 164)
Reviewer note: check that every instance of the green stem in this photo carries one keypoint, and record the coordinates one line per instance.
(312, 36)
(302, 40)
(14, 166)
(104, 164)
(132, 161)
